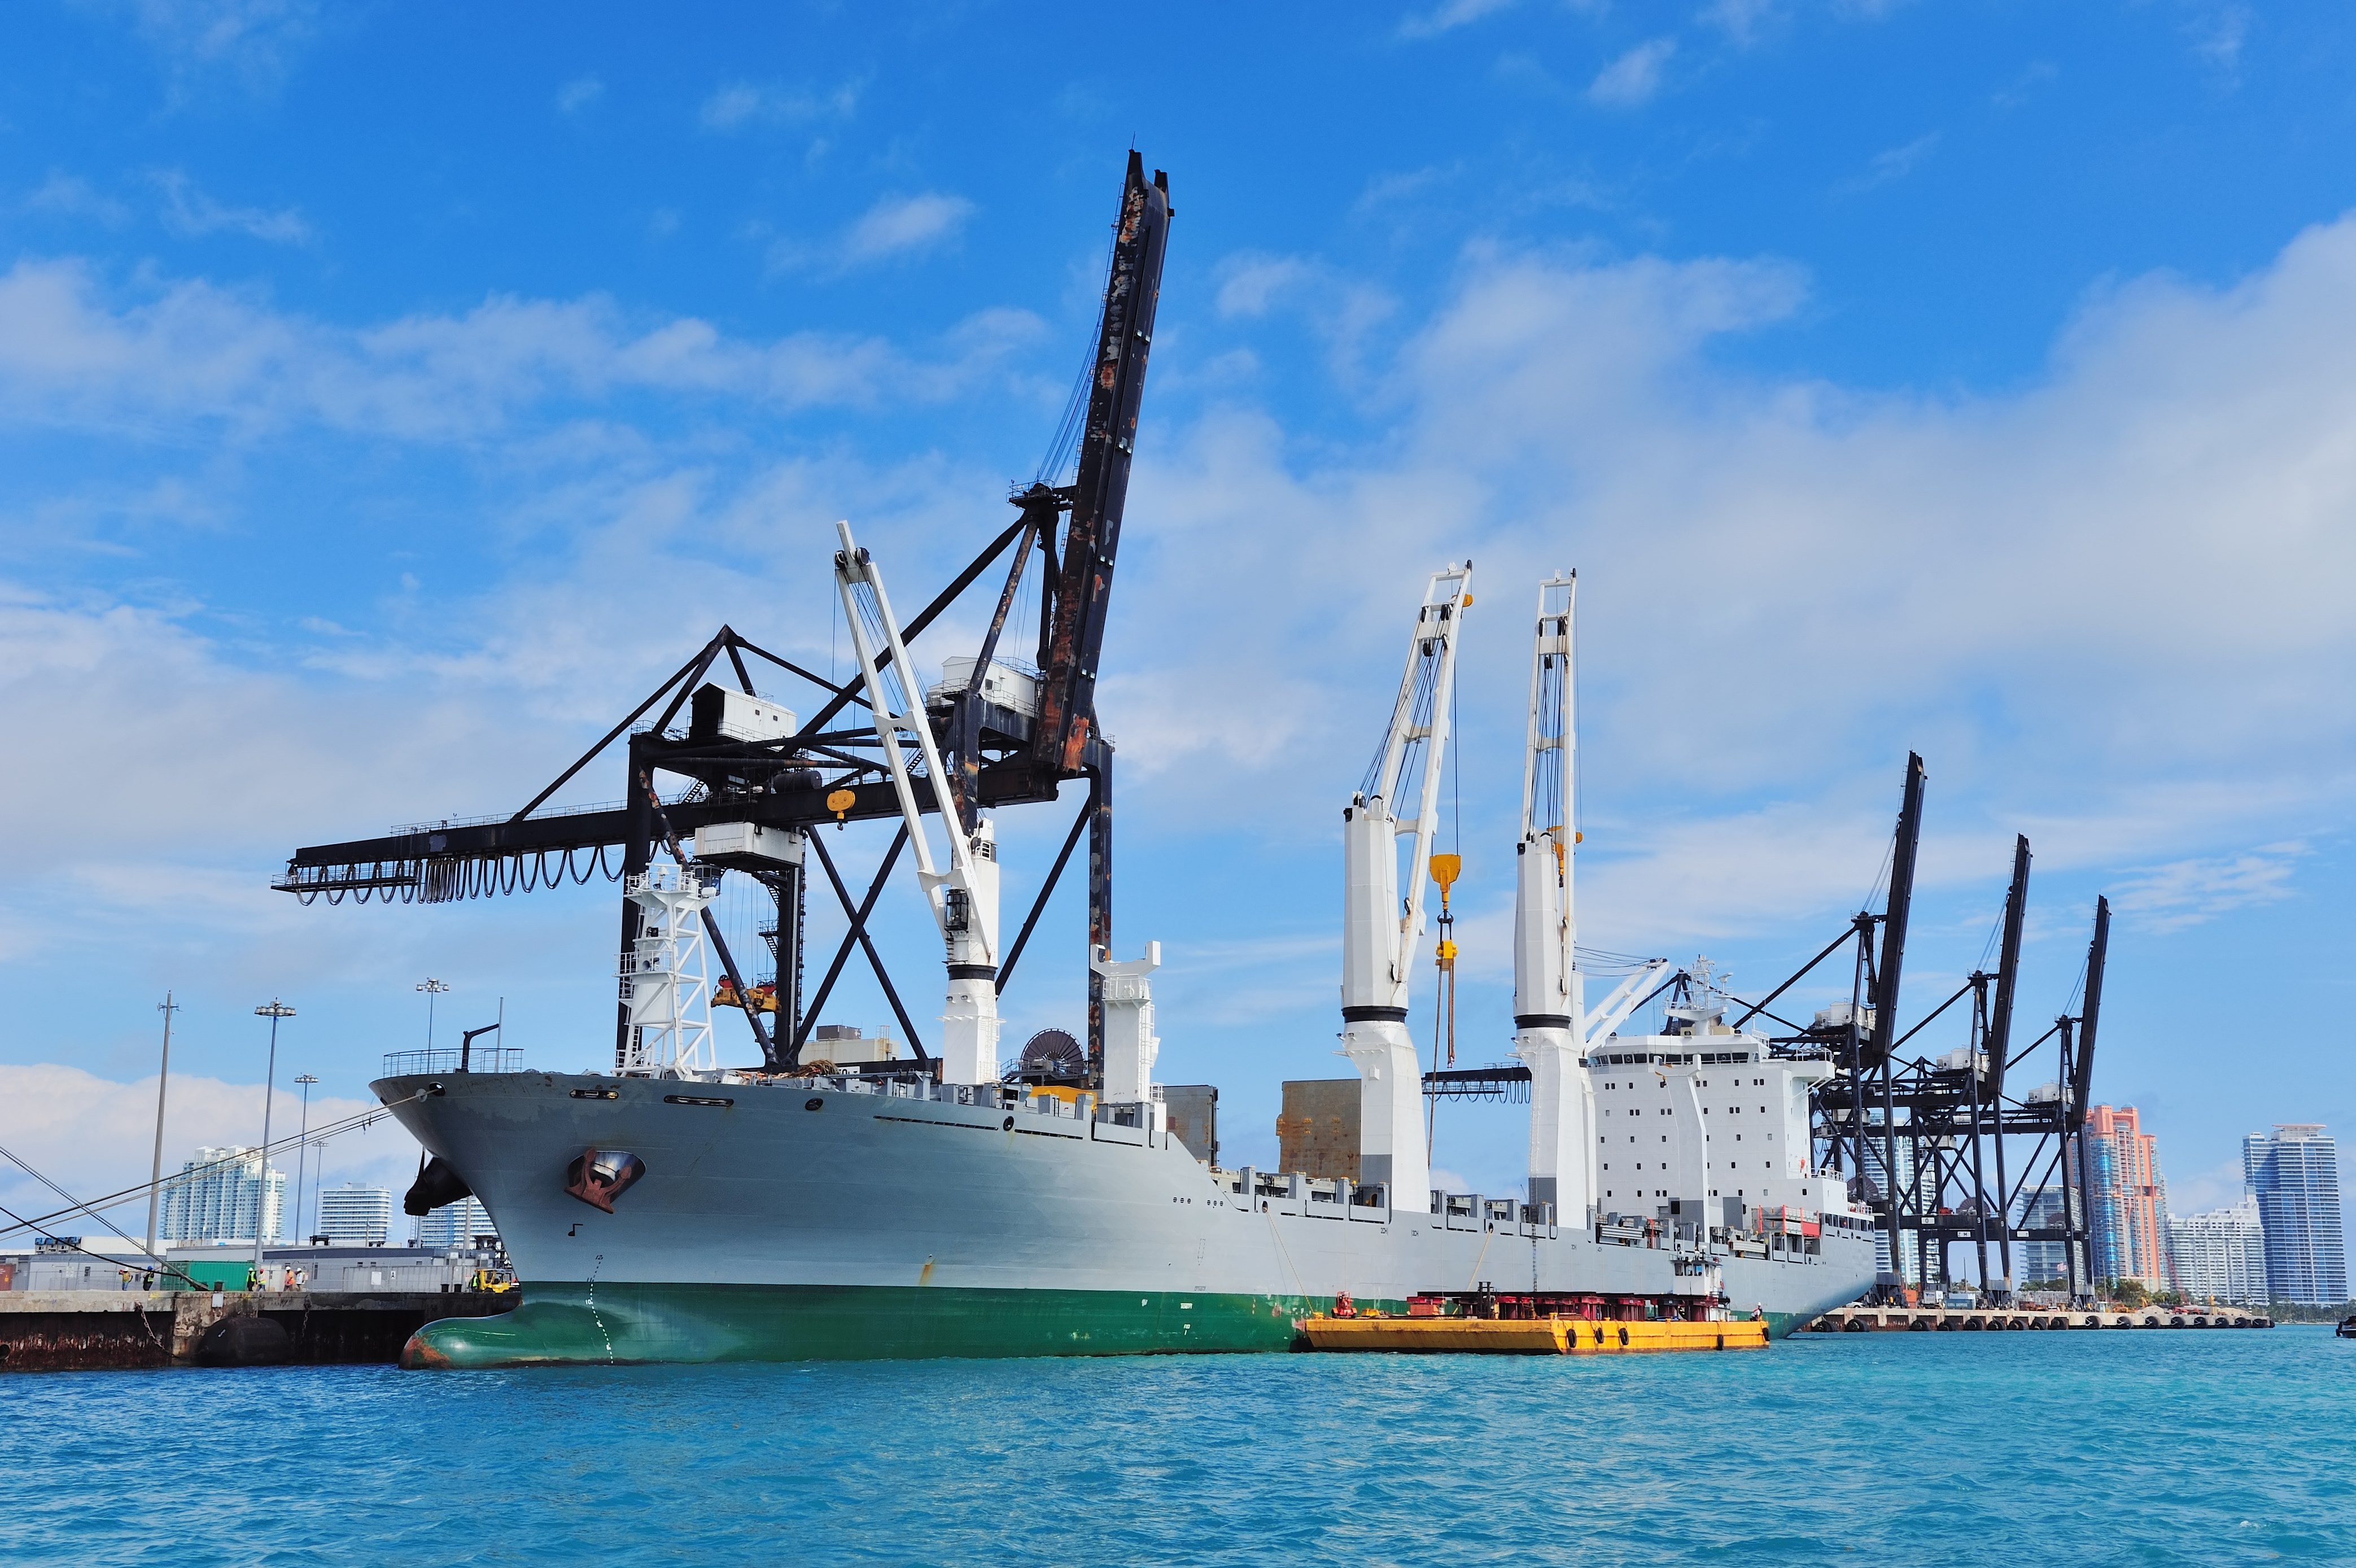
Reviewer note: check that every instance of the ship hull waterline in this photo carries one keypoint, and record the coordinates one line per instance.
(796, 1221)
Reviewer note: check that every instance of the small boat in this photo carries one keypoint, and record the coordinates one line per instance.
(2347, 1328)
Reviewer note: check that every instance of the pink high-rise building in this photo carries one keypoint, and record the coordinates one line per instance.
(2126, 1209)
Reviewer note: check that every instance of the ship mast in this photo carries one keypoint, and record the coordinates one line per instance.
(1379, 927)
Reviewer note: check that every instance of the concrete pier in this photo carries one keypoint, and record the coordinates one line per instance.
(62, 1331)
(1936, 1320)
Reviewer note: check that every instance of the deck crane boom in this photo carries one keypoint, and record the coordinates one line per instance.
(963, 896)
(1379, 928)
(1549, 993)
(1552, 1025)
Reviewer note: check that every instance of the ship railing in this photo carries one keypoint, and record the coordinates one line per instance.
(452, 1058)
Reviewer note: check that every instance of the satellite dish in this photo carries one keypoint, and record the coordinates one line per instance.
(1052, 1054)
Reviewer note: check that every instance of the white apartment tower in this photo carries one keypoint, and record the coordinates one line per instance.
(2221, 1255)
(356, 1215)
(219, 1195)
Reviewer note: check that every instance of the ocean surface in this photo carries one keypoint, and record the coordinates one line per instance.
(2140, 1446)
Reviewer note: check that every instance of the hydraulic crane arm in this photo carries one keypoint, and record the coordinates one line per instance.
(962, 895)
(1626, 997)
(1379, 925)
(900, 725)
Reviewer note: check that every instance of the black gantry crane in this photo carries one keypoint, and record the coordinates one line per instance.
(1003, 742)
(1951, 1151)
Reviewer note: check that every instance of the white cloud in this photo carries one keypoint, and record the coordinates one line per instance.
(739, 104)
(1448, 17)
(1892, 164)
(71, 197)
(1384, 190)
(1249, 284)
(2219, 33)
(1345, 312)
(1742, 21)
(70, 354)
(2196, 1192)
(252, 44)
(894, 227)
(1635, 78)
(2034, 77)
(903, 225)
(578, 94)
(191, 213)
(2184, 893)
(2097, 603)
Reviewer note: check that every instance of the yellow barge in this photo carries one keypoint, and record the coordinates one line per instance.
(1527, 1335)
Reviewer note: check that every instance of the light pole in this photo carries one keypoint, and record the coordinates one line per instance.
(275, 1010)
(432, 988)
(302, 1154)
(163, 1076)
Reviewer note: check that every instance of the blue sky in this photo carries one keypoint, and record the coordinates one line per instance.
(389, 395)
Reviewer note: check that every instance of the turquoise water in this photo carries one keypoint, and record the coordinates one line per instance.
(2199, 1446)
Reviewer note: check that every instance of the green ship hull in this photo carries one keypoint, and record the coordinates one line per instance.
(624, 1323)
(614, 1324)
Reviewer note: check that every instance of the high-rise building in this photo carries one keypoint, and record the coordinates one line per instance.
(454, 1225)
(1908, 1266)
(220, 1195)
(2295, 1177)
(2221, 1255)
(2126, 1199)
(2043, 1261)
(356, 1215)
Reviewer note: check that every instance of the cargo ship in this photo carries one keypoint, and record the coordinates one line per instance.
(844, 1200)
(672, 1210)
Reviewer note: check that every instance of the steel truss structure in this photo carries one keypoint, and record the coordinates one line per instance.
(1001, 742)
(1951, 1151)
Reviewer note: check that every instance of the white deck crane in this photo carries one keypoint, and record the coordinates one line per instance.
(964, 898)
(1553, 1028)
(1379, 928)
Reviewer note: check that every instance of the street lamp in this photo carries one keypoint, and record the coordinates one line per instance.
(163, 1078)
(273, 1012)
(302, 1154)
(432, 988)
